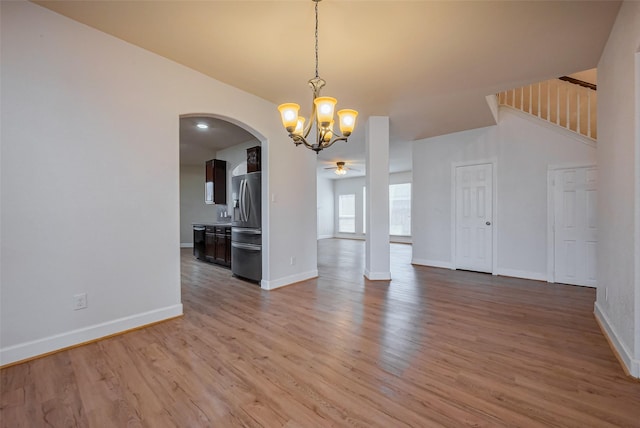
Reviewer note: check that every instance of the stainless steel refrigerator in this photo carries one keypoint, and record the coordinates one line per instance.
(246, 230)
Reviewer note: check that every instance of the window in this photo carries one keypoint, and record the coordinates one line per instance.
(400, 209)
(347, 213)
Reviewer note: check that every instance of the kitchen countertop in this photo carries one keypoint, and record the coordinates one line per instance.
(216, 223)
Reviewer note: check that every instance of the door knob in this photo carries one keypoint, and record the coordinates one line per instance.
(488, 223)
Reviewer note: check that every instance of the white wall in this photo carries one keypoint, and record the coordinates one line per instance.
(522, 150)
(325, 208)
(192, 206)
(619, 193)
(345, 186)
(90, 182)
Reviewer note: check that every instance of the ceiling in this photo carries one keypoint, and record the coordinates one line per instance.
(199, 145)
(428, 65)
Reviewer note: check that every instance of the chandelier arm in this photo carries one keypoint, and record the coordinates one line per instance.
(309, 124)
(329, 144)
(307, 130)
(296, 140)
(299, 139)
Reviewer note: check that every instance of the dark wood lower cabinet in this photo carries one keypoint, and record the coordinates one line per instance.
(218, 245)
(227, 248)
(209, 244)
(220, 250)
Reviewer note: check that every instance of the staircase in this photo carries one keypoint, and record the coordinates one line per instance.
(565, 101)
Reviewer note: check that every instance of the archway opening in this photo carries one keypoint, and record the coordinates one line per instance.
(204, 137)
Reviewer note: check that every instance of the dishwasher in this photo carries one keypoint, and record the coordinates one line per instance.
(198, 241)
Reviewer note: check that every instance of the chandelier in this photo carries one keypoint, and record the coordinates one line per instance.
(321, 120)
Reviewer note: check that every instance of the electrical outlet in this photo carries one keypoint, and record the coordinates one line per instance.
(292, 261)
(606, 294)
(79, 301)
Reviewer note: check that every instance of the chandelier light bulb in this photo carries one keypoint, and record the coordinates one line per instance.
(324, 108)
(299, 127)
(289, 114)
(328, 133)
(347, 118)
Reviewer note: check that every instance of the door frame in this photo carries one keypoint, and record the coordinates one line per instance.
(551, 233)
(494, 209)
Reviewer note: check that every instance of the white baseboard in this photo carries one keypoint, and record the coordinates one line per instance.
(537, 276)
(397, 239)
(432, 263)
(632, 365)
(287, 280)
(186, 245)
(325, 236)
(377, 276)
(26, 350)
(504, 272)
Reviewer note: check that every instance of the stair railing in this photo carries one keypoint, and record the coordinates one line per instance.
(566, 102)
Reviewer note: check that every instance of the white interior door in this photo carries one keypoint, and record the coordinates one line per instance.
(575, 236)
(474, 205)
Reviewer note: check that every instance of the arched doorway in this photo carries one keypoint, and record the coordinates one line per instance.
(204, 137)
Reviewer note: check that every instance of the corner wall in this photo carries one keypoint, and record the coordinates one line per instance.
(326, 228)
(90, 182)
(523, 148)
(617, 304)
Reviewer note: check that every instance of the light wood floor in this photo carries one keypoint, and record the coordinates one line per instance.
(431, 348)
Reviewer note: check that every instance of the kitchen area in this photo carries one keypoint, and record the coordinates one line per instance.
(220, 199)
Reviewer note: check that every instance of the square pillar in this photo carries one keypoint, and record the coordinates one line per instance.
(377, 259)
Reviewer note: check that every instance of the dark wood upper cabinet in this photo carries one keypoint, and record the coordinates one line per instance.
(215, 186)
(253, 159)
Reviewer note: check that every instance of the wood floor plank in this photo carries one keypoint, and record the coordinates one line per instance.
(430, 348)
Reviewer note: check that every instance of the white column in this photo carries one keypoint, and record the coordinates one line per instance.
(377, 261)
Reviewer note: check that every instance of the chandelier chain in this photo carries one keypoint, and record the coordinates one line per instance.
(316, 2)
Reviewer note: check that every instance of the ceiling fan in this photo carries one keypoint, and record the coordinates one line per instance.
(341, 169)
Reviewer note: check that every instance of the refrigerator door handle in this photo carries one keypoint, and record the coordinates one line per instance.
(246, 230)
(242, 200)
(250, 247)
(247, 201)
